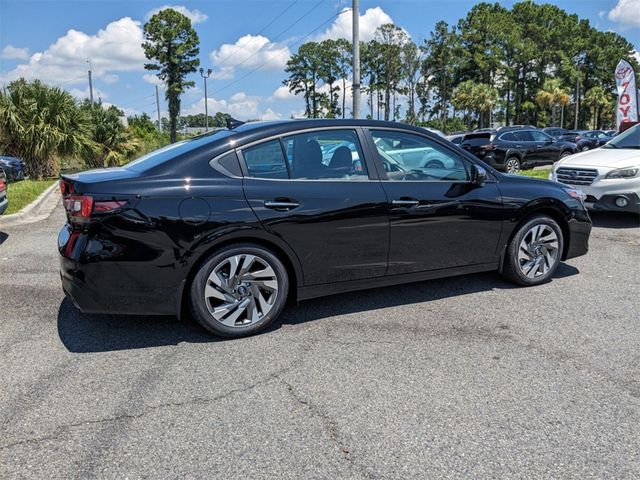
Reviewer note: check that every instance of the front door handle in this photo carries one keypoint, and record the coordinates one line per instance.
(405, 202)
(281, 205)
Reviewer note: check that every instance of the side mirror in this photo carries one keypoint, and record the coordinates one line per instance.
(478, 175)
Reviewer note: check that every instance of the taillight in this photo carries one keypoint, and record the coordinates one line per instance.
(108, 206)
(79, 207)
(488, 147)
(66, 188)
(578, 138)
(3, 184)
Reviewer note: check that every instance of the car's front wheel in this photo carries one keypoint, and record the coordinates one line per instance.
(239, 290)
(512, 165)
(534, 253)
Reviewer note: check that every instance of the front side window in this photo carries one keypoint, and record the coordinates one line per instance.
(325, 155)
(406, 156)
(540, 136)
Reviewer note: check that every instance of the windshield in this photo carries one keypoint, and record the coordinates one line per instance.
(628, 139)
(157, 157)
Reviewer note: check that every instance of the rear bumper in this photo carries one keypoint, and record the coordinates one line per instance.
(107, 286)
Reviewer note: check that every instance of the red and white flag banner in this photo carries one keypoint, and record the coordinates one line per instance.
(627, 109)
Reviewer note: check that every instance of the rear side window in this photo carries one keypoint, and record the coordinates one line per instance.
(509, 137)
(266, 160)
(523, 136)
(477, 140)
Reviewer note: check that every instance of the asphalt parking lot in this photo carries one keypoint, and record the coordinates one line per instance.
(459, 378)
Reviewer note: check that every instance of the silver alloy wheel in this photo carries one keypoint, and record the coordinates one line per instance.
(513, 165)
(241, 290)
(538, 251)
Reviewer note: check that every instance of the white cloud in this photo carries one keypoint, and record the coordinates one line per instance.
(626, 12)
(14, 53)
(249, 51)
(369, 21)
(152, 79)
(196, 16)
(116, 48)
(281, 93)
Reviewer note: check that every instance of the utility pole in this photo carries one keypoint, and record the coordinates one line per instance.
(355, 11)
(90, 83)
(575, 124)
(206, 101)
(158, 109)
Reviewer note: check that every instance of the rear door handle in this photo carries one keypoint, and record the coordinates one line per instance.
(281, 205)
(405, 202)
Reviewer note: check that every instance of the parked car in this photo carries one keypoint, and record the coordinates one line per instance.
(434, 130)
(13, 167)
(194, 226)
(599, 136)
(4, 202)
(609, 176)
(582, 143)
(611, 133)
(514, 149)
(516, 127)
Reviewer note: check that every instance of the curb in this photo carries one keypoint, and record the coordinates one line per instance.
(37, 210)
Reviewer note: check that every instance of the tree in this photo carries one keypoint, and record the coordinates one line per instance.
(597, 98)
(391, 40)
(411, 61)
(172, 46)
(552, 95)
(344, 67)
(305, 71)
(463, 99)
(40, 123)
(116, 144)
(474, 97)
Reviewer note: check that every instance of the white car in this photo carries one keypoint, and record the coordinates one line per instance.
(609, 176)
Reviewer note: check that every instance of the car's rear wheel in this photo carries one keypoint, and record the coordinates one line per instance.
(565, 154)
(239, 290)
(534, 253)
(512, 165)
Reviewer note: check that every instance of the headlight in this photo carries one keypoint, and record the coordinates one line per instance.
(630, 172)
(576, 193)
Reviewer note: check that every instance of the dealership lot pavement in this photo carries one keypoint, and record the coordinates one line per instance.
(458, 378)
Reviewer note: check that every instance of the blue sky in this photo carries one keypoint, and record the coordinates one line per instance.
(246, 42)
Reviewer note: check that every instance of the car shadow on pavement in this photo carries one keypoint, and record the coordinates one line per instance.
(615, 220)
(3, 237)
(83, 333)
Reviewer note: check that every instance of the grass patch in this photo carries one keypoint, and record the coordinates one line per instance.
(24, 192)
(542, 174)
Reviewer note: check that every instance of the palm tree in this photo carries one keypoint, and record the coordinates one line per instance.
(40, 123)
(116, 144)
(485, 98)
(463, 99)
(596, 97)
(552, 95)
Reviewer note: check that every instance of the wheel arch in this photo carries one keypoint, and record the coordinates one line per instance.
(278, 247)
(547, 206)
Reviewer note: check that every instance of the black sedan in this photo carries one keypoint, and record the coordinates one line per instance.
(232, 224)
(512, 149)
(13, 167)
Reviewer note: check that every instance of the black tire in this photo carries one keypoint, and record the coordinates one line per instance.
(565, 154)
(512, 165)
(202, 311)
(512, 269)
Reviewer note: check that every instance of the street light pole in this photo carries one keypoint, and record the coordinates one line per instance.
(355, 10)
(206, 101)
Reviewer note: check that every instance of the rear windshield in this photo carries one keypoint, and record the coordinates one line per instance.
(477, 140)
(164, 154)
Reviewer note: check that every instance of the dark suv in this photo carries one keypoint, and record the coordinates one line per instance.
(511, 150)
(231, 224)
(582, 141)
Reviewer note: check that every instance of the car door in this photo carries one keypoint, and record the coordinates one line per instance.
(527, 145)
(547, 151)
(438, 218)
(315, 190)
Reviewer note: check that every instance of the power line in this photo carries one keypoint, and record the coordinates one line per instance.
(267, 61)
(217, 65)
(280, 34)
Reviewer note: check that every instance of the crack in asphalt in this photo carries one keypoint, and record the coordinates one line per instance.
(62, 429)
